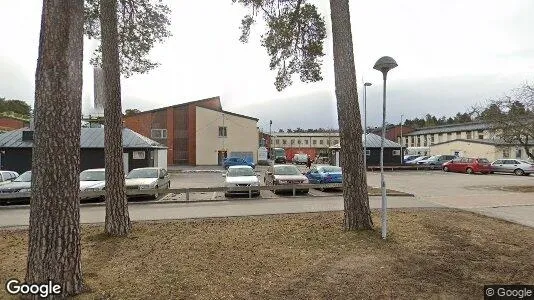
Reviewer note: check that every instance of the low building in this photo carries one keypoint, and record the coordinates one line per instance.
(11, 121)
(139, 151)
(312, 143)
(392, 152)
(199, 132)
(492, 149)
(428, 136)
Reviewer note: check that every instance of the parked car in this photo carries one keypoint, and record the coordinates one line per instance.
(92, 180)
(285, 175)
(146, 179)
(407, 158)
(300, 159)
(237, 161)
(436, 161)
(20, 184)
(416, 160)
(7, 176)
(467, 165)
(516, 166)
(241, 176)
(325, 174)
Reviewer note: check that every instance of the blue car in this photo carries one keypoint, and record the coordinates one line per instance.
(325, 174)
(237, 161)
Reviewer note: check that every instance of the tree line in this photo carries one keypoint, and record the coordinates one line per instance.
(431, 120)
(309, 130)
(17, 106)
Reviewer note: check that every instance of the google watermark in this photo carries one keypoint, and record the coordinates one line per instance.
(522, 292)
(15, 287)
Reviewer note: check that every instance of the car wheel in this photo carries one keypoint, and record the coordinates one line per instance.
(469, 171)
(519, 172)
(156, 195)
(446, 169)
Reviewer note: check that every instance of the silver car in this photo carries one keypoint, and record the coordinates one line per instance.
(285, 175)
(92, 180)
(7, 176)
(147, 179)
(21, 184)
(241, 176)
(517, 166)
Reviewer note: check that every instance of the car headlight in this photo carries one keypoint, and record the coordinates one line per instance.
(305, 181)
(25, 190)
(281, 181)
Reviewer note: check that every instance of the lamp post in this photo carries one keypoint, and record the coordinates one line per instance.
(365, 85)
(401, 154)
(384, 64)
(270, 138)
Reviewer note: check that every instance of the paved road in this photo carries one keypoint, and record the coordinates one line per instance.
(144, 212)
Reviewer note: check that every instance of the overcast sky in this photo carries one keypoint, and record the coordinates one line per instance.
(451, 55)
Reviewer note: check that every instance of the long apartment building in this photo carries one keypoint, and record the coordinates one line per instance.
(311, 143)
(474, 139)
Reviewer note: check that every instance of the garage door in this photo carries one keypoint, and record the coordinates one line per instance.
(248, 156)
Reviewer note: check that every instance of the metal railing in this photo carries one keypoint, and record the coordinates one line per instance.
(187, 191)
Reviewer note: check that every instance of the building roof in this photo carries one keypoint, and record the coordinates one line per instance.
(90, 138)
(304, 134)
(230, 113)
(178, 105)
(451, 128)
(373, 141)
(495, 142)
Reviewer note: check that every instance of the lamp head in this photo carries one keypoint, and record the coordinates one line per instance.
(384, 64)
(367, 84)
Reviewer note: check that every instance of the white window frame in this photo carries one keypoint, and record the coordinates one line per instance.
(162, 133)
(367, 152)
(396, 153)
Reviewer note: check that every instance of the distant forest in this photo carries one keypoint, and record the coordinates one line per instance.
(430, 120)
(16, 106)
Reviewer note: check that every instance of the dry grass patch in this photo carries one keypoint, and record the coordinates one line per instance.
(506, 188)
(430, 253)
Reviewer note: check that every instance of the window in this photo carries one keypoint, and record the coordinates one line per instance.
(321, 142)
(458, 134)
(517, 153)
(396, 152)
(223, 131)
(440, 137)
(306, 142)
(481, 134)
(367, 152)
(449, 136)
(284, 141)
(431, 139)
(292, 141)
(418, 141)
(314, 142)
(424, 142)
(336, 142)
(506, 153)
(406, 142)
(158, 133)
(298, 142)
(468, 135)
(277, 141)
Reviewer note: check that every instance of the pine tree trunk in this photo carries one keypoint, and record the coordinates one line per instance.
(357, 214)
(117, 217)
(54, 249)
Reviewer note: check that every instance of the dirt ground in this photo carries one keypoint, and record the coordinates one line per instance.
(430, 253)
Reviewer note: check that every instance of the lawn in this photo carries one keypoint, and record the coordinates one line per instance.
(437, 253)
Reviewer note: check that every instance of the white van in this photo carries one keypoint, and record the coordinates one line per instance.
(300, 159)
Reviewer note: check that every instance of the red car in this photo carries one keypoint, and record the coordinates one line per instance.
(468, 165)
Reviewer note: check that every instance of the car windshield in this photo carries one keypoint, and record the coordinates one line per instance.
(236, 172)
(330, 169)
(25, 177)
(527, 162)
(143, 173)
(435, 157)
(93, 176)
(483, 161)
(286, 170)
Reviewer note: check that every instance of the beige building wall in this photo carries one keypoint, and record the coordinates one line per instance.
(242, 135)
(467, 149)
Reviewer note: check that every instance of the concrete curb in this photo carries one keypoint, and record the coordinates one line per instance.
(206, 200)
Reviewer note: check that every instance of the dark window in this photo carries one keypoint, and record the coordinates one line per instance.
(314, 142)
(223, 131)
(284, 141)
(468, 135)
(306, 142)
(158, 133)
(518, 153)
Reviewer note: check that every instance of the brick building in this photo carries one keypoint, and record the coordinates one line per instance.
(8, 123)
(198, 132)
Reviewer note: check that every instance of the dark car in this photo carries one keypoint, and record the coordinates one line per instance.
(436, 161)
(237, 161)
(468, 165)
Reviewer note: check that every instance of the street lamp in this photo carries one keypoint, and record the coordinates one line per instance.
(384, 64)
(270, 138)
(365, 85)
(401, 154)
